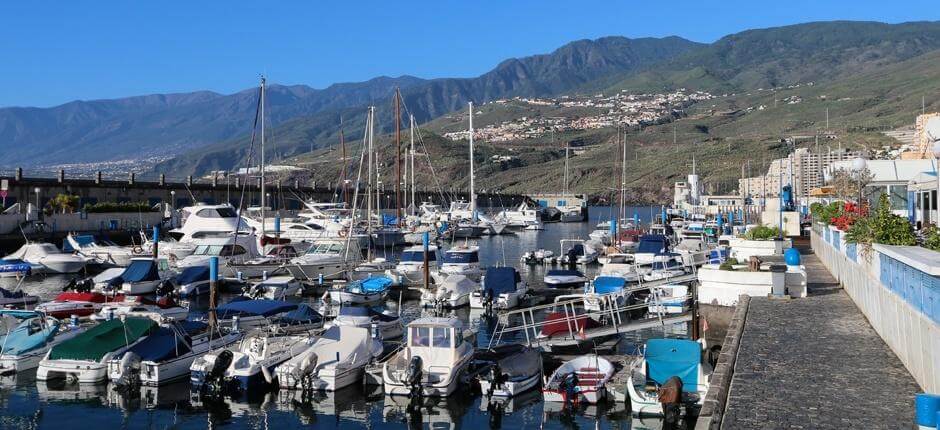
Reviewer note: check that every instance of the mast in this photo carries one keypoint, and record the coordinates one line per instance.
(566, 171)
(369, 180)
(342, 143)
(411, 128)
(263, 233)
(398, 154)
(473, 196)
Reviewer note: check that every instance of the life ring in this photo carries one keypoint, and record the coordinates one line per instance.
(172, 258)
(138, 250)
(342, 233)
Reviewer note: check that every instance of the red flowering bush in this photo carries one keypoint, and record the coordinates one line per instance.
(847, 214)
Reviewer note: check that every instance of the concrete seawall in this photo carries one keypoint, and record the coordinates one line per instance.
(908, 324)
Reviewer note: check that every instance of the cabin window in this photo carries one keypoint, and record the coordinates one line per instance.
(227, 212)
(441, 337)
(233, 250)
(420, 336)
(208, 213)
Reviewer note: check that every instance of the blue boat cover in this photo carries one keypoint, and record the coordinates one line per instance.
(14, 266)
(83, 240)
(260, 307)
(563, 272)
(161, 345)
(193, 274)
(666, 358)
(455, 257)
(652, 244)
(608, 284)
(500, 280)
(417, 256)
(302, 315)
(138, 271)
(389, 219)
(370, 285)
(27, 336)
(7, 294)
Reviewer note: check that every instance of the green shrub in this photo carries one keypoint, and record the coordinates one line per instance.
(932, 238)
(728, 264)
(118, 207)
(762, 232)
(881, 226)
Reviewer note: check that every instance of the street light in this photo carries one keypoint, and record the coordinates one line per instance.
(173, 199)
(36, 190)
(936, 156)
(858, 165)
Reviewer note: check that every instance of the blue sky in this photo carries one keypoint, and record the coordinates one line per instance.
(54, 52)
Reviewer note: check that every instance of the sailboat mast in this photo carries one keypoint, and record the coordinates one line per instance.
(263, 233)
(398, 154)
(411, 119)
(369, 181)
(473, 197)
(566, 170)
(342, 143)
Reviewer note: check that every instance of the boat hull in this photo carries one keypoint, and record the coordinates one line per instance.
(511, 388)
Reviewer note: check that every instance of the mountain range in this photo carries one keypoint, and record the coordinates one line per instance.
(202, 131)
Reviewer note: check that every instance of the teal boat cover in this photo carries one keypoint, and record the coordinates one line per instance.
(28, 335)
(370, 285)
(666, 358)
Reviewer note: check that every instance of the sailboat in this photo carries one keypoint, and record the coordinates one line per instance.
(569, 213)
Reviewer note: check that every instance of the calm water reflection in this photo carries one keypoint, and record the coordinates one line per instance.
(26, 404)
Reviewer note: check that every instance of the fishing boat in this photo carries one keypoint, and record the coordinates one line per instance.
(275, 288)
(564, 278)
(514, 369)
(503, 288)
(27, 337)
(385, 325)
(247, 366)
(17, 298)
(365, 291)
(335, 360)
(662, 360)
(409, 271)
(166, 355)
(581, 380)
(452, 293)
(143, 276)
(80, 304)
(462, 260)
(327, 260)
(46, 258)
(98, 251)
(433, 360)
(84, 358)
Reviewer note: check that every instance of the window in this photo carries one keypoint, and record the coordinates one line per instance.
(208, 213)
(933, 200)
(420, 336)
(897, 195)
(442, 337)
(226, 212)
(233, 250)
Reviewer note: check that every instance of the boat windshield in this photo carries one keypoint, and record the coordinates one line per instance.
(219, 250)
(435, 337)
(416, 257)
(326, 248)
(664, 265)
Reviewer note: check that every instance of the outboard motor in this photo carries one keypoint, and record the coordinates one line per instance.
(670, 397)
(130, 370)
(488, 301)
(166, 289)
(413, 376)
(71, 285)
(217, 372)
(303, 373)
(568, 386)
(497, 379)
(572, 257)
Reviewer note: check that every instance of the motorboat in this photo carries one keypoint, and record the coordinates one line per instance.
(409, 271)
(386, 325)
(514, 369)
(98, 251)
(247, 366)
(452, 293)
(27, 338)
(377, 266)
(572, 214)
(564, 278)
(46, 258)
(335, 360)
(157, 313)
(668, 299)
(275, 288)
(166, 355)
(15, 268)
(245, 314)
(273, 261)
(520, 217)
(579, 253)
(538, 256)
(84, 358)
(580, 380)
(503, 288)
(231, 250)
(649, 247)
(16, 299)
(365, 291)
(388, 237)
(536, 226)
(662, 360)
(325, 260)
(143, 276)
(603, 234)
(469, 230)
(192, 281)
(435, 357)
(462, 260)
(79, 304)
(664, 266)
(604, 286)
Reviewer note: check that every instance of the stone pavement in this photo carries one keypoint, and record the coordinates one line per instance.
(816, 363)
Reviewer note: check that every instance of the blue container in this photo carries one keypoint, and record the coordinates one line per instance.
(927, 407)
(792, 257)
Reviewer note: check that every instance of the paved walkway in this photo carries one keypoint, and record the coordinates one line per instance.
(816, 363)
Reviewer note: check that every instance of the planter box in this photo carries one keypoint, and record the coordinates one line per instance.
(722, 287)
(743, 249)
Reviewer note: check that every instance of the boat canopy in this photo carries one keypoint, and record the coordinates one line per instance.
(666, 358)
(500, 280)
(563, 272)
(82, 240)
(7, 294)
(193, 274)
(28, 335)
(260, 307)
(461, 257)
(417, 256)
(139, 271)
(577, 250)
(608, 284)
(102, 339)
(302, 315)
(161, 345)
(652, 244)
(372, 284)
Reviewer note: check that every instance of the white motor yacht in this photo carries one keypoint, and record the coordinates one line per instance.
(409, 271)
(325, 260)
(46, 258)
(462, 260)
(384, 325)
(664, 359)
(98, 251)
(275, 288)
(435, 357)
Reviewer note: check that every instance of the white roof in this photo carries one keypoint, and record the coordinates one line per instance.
(890, 170)
(437, 322)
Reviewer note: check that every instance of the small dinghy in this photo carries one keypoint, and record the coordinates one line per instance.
(387, 325)
(365, 291)
(16, 298)
(503, 287)
(678, 360)
(514, 369)
(336, 360)
(581, 380)
(561, 278)
(453, 293)
(248, 366)
(27, 337)
(84, 358)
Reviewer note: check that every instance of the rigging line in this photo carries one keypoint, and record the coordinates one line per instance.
(427, 155)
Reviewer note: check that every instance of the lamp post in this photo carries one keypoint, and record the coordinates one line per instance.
(173, 199)
(858, 165)
(38, 209)
(936, 156)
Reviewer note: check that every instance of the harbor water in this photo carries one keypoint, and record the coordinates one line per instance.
(28, 404)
